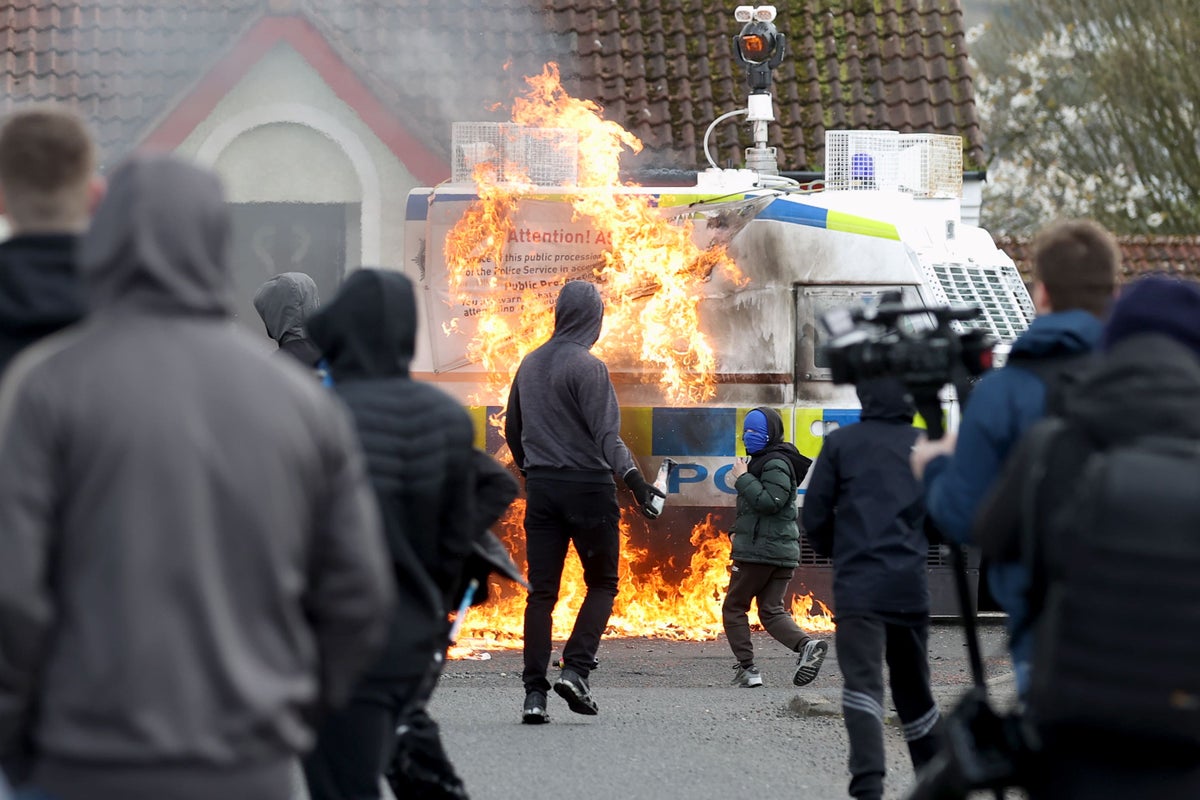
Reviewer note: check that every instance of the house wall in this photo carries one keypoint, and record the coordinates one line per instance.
(283, 135)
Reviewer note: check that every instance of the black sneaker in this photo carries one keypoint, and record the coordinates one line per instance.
(808, 663)
(534, 712)
(574, 689)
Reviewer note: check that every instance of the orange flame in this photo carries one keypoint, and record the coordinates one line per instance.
(648, 603)
(650, 270)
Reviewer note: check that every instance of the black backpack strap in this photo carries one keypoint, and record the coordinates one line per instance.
(1041, 438)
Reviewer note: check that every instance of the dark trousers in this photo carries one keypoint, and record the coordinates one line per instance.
(763, 584)
(559, 513)
(355, 743)
(863, 643)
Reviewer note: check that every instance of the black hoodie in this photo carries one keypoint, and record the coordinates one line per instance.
(40, 291)
(419, 443)
(863, 506)
(285, 302)
(563, 421)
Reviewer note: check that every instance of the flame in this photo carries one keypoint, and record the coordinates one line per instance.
(648, 602)
(650, 272)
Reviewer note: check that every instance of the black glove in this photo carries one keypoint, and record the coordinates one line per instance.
(643, 492)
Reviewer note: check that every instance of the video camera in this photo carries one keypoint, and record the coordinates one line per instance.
(926, 354)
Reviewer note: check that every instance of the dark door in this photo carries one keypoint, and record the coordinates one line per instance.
(269, 238)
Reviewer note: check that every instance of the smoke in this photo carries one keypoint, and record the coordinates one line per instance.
(125, 70)
(458, 60)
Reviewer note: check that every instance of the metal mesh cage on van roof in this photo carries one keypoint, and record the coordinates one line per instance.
(515, 153)
(861, 160)
(996, 288)
(931, 165)
(921, 164)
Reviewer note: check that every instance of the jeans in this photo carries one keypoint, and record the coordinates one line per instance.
(557, 514)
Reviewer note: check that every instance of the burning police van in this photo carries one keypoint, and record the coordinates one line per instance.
(713, 293)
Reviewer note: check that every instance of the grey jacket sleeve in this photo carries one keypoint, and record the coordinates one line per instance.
(512, 425)
(350, 593)
(598, 405)
(29, 481)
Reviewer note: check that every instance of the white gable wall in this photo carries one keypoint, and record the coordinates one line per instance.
(283, 135)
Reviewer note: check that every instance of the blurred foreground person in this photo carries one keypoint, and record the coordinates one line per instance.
(419, 765)
(563, 426)
(193, 564)
(1075, 266)
(48, 187)
(286, 302)
(1102, 504)
(864, 508)
(419, 446)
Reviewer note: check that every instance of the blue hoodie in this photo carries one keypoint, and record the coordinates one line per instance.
(1003, 406)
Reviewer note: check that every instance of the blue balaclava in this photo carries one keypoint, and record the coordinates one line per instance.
(755, 435)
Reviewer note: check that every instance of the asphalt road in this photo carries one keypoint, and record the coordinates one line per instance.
(671, 725)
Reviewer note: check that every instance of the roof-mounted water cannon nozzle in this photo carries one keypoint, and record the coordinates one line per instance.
(761, 48)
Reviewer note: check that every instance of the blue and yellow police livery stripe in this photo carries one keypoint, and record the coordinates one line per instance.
(789, 210)
(692, 431)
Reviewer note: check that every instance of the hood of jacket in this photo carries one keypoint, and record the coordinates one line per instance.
(39, 285)
(285, 302)
(1146, 385)
(1060, 333)
(579, 313)
(159, 240)
(369, 329)
(885, 399)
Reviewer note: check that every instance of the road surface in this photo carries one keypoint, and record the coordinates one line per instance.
(670, 725)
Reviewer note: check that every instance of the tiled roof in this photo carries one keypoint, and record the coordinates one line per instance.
(666, 68)
(120, 62)
(662, 68)
(1139, 254)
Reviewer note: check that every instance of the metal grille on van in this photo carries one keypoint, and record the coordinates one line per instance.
(809, 557)
(997, 289)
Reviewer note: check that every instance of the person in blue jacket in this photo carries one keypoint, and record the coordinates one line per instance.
(1075, 267)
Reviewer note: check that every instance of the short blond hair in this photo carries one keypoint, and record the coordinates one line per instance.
(47, 159)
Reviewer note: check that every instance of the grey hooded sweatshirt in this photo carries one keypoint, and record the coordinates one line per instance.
(286, 302)
(192, 562)
(563, 421)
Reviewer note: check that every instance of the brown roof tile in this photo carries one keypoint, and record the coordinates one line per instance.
(1139, 255)
(662, 68)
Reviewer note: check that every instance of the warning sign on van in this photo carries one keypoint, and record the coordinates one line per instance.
(546, 247)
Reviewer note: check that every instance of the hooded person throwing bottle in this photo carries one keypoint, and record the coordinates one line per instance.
(563, 427)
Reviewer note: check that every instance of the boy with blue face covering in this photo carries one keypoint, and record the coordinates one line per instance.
(766, 549)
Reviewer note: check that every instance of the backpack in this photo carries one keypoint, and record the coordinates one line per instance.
(1060, 374)
(1117, 645)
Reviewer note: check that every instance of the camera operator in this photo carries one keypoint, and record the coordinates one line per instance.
(1075, 264)
(1101, 503)
(863, 507)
